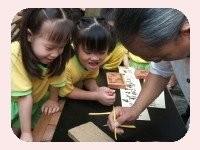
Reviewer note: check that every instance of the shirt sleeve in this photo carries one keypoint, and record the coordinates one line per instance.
(58, 81)
(21, 85)
(69, 85)
(115, 58)
(92, 75)
(162, 68)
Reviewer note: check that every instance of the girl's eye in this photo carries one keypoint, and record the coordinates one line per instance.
(87, 52)
(102, 53)
(49, 48)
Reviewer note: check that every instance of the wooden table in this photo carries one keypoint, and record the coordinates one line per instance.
(165, 125)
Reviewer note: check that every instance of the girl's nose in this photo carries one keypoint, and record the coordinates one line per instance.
(94, 57)
(54, 54)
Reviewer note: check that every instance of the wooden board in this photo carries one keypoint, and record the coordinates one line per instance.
(115, 80)
(48, 134)
(141, 74)
(88, 132)
(46, 125)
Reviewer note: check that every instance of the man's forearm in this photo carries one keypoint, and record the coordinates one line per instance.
(151, 89)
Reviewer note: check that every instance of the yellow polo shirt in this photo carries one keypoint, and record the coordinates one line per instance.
(115, 58)
(75, 72)
(23, 84)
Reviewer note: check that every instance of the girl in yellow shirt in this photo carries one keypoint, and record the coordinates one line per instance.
(38, 61)
(92, 40)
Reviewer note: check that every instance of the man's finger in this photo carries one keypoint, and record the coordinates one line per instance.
(119, 131)
(111, 121)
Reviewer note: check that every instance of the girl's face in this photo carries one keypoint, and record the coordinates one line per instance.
(45, 50)
(91, 60)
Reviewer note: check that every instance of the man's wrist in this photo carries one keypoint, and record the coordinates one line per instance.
(134, 112)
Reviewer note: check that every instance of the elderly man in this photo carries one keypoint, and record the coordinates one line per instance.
(163, 37)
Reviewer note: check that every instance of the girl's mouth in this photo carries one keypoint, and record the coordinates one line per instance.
(94, 64)
(47, 61)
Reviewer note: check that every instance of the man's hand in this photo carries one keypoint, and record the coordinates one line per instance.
(123, 114)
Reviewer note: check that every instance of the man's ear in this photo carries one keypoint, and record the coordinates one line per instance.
(29, 35)
(185, 30)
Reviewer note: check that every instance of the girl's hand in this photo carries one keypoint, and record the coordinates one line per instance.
(26, 136)
(106, 96)
(50, 107)
(107, 90)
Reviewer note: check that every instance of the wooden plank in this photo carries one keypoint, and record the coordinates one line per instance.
(115, 80)
(88, 132)
(61, 104)
(54, 119)
(43, 125)
(48, 135)
(40, 127)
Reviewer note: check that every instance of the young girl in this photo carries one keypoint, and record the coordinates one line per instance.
(119, 52)
(38, 60)
(92, 41)
(115, 58)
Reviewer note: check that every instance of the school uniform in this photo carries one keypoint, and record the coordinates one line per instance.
(74, 73)
(23, 84)
(115, 58)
